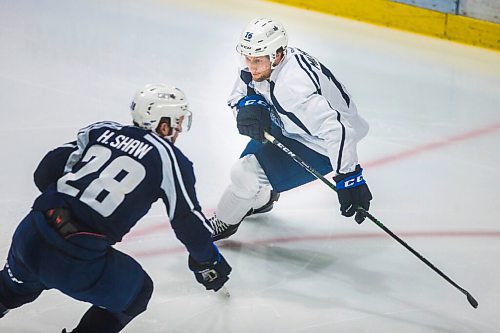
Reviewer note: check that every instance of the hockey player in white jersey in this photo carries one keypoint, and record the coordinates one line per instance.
(290, 94)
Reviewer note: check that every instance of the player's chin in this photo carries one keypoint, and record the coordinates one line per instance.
(259, 78)
(174, 138)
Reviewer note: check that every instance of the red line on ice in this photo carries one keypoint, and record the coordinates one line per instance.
(433, 145)
(372, 164)
(351, 236)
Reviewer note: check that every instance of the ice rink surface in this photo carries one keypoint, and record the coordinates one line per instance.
(431, 160)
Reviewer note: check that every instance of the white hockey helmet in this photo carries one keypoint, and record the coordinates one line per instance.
(156, 101)
(262, 37)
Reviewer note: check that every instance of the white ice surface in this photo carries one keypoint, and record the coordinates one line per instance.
(431, 160)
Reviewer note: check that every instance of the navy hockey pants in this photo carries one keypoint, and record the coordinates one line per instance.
(282, 171)
(83, 267)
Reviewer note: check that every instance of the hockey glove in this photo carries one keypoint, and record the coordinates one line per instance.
(352, 192)
(253, 118)
(212, 275)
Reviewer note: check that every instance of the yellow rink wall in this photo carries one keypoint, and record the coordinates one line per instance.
(397, 15)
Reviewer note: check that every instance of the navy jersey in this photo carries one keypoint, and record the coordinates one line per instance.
(112, 174)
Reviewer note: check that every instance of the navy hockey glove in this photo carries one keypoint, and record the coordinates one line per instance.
(253, 118)
(212, 275)
(352, 192)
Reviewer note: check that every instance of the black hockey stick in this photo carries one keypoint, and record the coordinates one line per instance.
(361, 212)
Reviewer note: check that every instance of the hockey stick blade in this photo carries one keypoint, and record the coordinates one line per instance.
(361, 214)
(471, 300)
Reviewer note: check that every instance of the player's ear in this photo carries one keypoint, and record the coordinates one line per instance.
(279, 56)
(164, 128)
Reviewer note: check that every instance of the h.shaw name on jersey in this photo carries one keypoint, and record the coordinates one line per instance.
(112, 174)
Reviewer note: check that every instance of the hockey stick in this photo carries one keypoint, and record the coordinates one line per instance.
(360, 212)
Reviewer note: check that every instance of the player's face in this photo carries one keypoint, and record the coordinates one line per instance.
(259, 67)
(172, 132)
(178, 125)
(178, 129)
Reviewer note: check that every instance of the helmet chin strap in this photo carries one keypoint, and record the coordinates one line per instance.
(168, 137)
(171, 135)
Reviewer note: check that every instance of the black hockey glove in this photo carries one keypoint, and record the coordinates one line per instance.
(253, 117)
(212, 275)
(353, 191)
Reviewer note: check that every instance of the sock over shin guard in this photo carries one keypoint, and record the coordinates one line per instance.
(98, 320)
(249, 189)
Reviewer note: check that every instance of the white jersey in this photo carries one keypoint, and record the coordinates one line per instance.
(311, 106)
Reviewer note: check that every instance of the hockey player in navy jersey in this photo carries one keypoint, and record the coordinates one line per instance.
(94, 190)
(291, 95)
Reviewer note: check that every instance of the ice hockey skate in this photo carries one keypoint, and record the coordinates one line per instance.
(221, 230)
(267, 207)
(3, 310)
